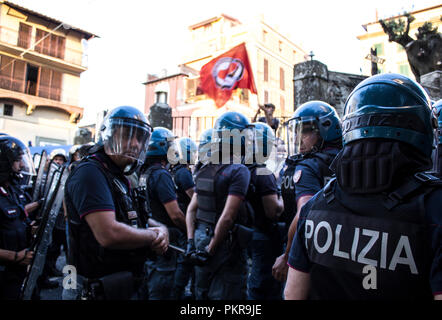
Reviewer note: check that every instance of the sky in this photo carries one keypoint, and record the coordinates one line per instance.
(137, 37)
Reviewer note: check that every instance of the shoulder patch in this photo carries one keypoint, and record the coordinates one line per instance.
(297, 176)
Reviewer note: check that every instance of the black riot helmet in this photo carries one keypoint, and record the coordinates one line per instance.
(15, 159)
(125, 133)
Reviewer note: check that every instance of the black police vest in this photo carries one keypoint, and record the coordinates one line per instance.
(288, 186)
(368, 247)
(158, 211)
(210, 202)
(91, 259)
(13, 221)
(183, 198)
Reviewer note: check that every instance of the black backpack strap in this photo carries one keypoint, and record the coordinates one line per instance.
(419, 180)
(329, 191)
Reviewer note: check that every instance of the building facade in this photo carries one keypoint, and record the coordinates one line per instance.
(394, 54)
(272, 57)
(41, 60)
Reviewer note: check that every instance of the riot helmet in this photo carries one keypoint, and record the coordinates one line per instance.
(205, 145)
(15, 159)
(187, 150)
(264, 142)
(313, 124)
(233, 135)
(162, 145)
(125, 133)
(58, 156)
(74, 153)
(390, 106)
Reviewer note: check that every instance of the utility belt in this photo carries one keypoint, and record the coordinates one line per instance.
(238, 234)
(116, 286)
(275, 230)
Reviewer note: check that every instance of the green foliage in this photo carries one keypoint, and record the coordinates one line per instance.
(424, 32)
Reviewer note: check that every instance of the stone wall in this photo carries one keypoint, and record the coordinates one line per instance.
(313, 81)
(431, 82)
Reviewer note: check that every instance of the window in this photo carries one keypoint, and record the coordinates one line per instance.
(8, 110)
(404, 69)
(379, 48)
(50, 84)
(280, 46)
(161, 97)
(281, 79)
(282, 103)
(51, 44)
(264, 36)
(266, 96)
(12, 74)
(266, 70)
(24, 36)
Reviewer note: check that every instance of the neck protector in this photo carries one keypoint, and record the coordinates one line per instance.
(376, 165)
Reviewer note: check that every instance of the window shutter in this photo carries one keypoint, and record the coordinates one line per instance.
(18, 82)
(45, 83)
(56, 85)
(6, 72)
(24, 36)
(281, 79)
(266, 70)
(39, 35)
(61, 47)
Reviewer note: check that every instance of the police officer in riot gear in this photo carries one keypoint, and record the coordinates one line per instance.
(108, 237)
(181, 172)
(15, 161)
(204, 147)
(217, 210)
(374, 231)
(183, 179)
(165, 209)
(263, 196)
(314, 139)
(437, 107)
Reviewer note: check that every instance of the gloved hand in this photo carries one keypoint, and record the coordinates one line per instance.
(190, 248)
(200, 257)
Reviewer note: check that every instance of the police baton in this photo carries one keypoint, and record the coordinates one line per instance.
(178, 249)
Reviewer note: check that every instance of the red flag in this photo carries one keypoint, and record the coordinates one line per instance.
(225, 73)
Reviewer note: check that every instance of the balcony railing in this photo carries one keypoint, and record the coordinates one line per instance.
(11, 37)
(31, 88)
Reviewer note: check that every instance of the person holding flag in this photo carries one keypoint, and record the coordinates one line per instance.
(225, 73)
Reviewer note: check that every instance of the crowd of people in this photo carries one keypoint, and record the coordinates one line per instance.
(147, 215)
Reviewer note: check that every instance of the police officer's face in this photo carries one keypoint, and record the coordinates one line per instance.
(58, 160)
(18, 165)
(128, 145)
(76, 156)
(308, 140)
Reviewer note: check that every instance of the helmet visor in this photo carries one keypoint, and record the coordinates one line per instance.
(127, 139)
(23, 163)
(187, 151)
(302, 136)
(264, 144)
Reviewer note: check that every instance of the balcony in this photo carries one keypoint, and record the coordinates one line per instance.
(31, 89)
(73, 60)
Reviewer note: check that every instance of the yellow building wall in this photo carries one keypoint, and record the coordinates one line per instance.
(44, 123)
(393, 53)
